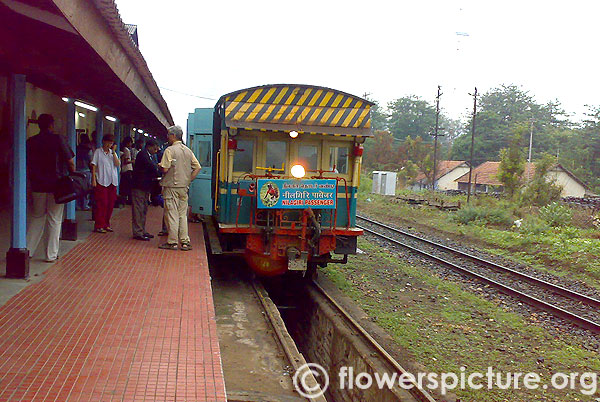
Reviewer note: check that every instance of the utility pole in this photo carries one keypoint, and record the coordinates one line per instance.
(530, 140)
(472, 144)
(435, 141)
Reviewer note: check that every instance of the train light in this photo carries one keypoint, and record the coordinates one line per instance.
(293, 134)
(298, 171)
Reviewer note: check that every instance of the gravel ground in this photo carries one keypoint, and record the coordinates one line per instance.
(589, 340)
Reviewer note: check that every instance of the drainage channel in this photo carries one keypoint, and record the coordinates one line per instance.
(327, 335)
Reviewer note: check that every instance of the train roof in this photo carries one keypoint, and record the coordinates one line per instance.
(302, 108)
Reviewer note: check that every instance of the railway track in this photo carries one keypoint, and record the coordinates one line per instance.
(377, 350)
(572, 306)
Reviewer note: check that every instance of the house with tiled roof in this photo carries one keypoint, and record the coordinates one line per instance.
(447, 173)
(485, 179)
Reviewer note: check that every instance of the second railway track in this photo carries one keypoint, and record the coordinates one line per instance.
(572, 306)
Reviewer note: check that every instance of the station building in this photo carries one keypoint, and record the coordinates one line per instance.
(76, 60)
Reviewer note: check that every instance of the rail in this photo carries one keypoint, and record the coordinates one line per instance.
(529, 299)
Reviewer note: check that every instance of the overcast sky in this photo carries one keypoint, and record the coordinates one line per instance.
(387, 49)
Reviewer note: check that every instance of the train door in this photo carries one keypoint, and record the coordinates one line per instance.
(200, 189)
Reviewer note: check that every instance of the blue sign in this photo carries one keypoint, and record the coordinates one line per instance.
(296, 194)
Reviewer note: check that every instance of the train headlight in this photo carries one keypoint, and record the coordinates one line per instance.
(298, 171)
(293, 134)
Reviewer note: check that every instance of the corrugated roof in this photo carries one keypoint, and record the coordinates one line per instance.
(109, 11)
(443, 167)
(132, 31)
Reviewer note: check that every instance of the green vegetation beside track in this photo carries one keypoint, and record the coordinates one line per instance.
(445, 327)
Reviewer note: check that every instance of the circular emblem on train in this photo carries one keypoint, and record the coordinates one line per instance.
(269, 194)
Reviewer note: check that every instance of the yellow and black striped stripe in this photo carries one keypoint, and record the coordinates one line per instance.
(297, 107)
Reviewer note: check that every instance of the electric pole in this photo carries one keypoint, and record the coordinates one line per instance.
(435, 135)
(472, 144)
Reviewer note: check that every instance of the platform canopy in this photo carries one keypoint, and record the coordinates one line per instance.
(302, 108)
(81, 49)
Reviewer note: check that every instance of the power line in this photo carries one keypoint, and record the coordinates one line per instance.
(186, 94)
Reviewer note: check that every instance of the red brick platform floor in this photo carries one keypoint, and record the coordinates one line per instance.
(115, 320)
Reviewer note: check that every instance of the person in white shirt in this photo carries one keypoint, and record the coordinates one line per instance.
(105, 178)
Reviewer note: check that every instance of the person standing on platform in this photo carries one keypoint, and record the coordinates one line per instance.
(126, 169)
(48, 158)
(180, 167)
(83, 161)
(105, 179)
(145, 176)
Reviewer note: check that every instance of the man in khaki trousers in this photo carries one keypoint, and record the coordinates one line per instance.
(180, 167)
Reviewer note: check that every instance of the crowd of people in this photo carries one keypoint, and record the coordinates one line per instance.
(139, 172)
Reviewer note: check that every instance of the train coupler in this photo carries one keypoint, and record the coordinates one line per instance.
(297, 260)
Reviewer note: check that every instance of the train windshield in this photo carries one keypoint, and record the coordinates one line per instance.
(308, 156)
(243, 159)
(276, 154)
(338, 159)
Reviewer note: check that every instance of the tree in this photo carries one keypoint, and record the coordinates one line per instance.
(500, 111)
(512, 164)
(380, 151)
(542, 190)
(411, 116)
(378, 117)
(421, 155)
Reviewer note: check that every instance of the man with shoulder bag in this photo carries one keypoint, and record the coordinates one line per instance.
(49, 158)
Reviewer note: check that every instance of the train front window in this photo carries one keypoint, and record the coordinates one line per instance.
(244, 156)
(338, 159)
(276, 154)
(308, 156)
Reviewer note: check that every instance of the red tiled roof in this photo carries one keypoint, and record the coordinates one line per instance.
(443, 167)
(487, 173)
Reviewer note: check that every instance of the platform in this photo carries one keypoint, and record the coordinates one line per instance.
(115, 320)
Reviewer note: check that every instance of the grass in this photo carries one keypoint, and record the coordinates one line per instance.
(563, 251)
(445, 327)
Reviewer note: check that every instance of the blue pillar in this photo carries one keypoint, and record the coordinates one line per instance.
(99, 128)
(118, 128)
(69, 226)
(17, 257)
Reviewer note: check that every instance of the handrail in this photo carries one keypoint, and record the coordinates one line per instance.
(217, 180)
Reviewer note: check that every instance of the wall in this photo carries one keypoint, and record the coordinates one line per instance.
(446, 182)
(39, 101)
(571, 188)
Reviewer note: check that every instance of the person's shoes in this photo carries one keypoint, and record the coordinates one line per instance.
(148, 235)
(142, 238)
(168, 246)
(109, 229)
(163, 233)
(51, 259)
(185, 247)
(100, 230)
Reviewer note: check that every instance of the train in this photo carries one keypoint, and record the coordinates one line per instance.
(280, 172)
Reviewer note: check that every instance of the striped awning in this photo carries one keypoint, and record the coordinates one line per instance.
(302, 108)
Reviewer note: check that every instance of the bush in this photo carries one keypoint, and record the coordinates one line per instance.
(556, 215)
(533, 225)
(483, 215)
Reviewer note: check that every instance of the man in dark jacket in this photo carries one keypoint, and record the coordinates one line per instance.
(145, 175)
(48, 158)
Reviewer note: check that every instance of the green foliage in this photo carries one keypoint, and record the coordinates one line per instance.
(410, 116)
(556, 214)
(482, 216)
(512, 164)
(541, 190)
(533, 225)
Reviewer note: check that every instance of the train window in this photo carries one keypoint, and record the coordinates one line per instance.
(308, 156)
(244, 156)
(204, 149)
(338, 159)
(276, 154)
